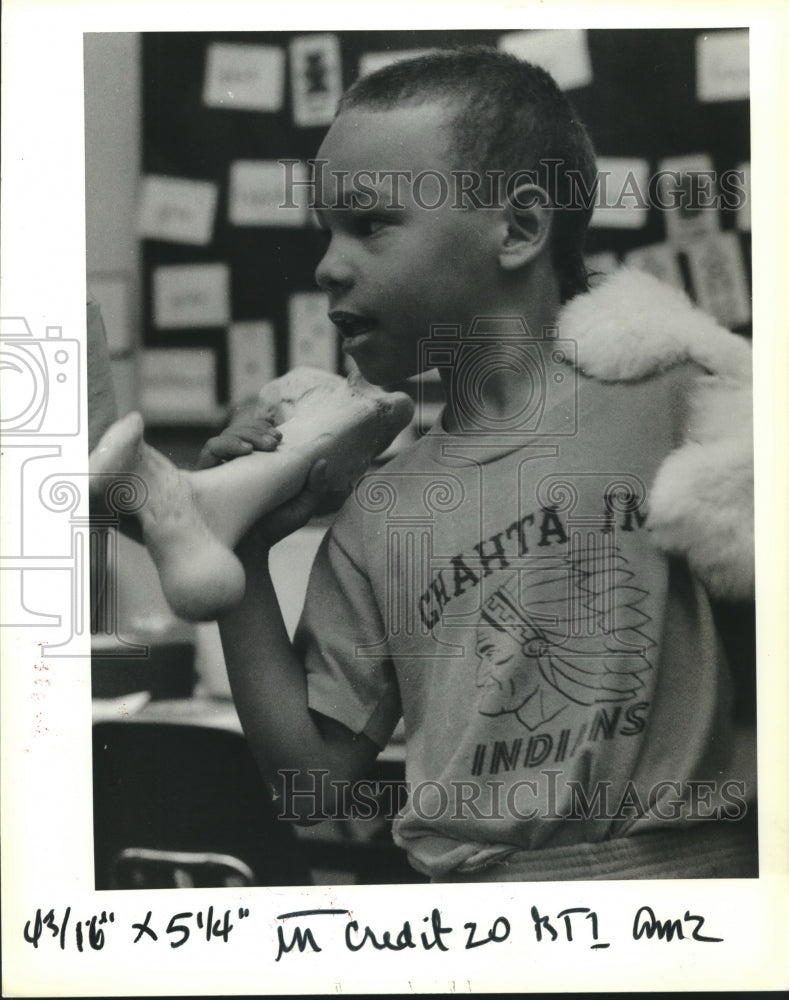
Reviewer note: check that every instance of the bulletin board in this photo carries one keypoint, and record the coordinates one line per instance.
(229, 295)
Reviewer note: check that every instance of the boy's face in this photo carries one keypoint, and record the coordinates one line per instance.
(396, 265)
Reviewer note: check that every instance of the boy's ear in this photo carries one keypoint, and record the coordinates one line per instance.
(529, 218)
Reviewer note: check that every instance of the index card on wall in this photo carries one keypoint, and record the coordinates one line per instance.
(176, 210)
(177, 380)
(717, 273)
(312, 337)
(622, 197)
(246, 77)
(371, 62)
(268, 193)
(687, 194)
(191, 295)
(564, 53)
(315, 78)
(252, 357)
(723, 66)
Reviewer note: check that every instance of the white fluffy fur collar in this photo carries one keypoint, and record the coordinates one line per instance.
(701, 502)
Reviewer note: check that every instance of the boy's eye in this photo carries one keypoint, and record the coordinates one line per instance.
(369, 225)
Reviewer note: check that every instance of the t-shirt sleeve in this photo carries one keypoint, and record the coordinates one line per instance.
(341, 639)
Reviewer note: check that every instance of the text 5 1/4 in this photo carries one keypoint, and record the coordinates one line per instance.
(181, 926)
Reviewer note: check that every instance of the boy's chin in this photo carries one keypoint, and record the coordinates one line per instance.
(383, 378)
(382, 362)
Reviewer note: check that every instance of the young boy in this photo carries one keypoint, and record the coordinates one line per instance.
(529, 585)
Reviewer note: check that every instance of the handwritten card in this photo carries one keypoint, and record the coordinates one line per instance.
(371, 62)
(312, 337)
(252, 357)
(687, 196)
(717, 272)
(622, 200)
(315, 78)
(191, 295)
(176, 210)
(722, 66)
(176, 381)
(564, 53)
(659, 259)
(245, 77)
(266, 193)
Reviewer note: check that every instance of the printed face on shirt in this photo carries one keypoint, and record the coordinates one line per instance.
(507, 676)
(394, 266)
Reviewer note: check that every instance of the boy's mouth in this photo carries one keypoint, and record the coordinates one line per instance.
(351, 325)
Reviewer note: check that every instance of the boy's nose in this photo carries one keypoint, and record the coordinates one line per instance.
(334, 272)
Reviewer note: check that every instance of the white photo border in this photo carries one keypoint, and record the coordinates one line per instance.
(46, 785)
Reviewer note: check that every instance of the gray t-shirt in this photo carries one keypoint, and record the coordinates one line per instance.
(559, 678)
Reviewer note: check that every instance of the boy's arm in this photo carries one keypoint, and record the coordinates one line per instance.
(269, 686)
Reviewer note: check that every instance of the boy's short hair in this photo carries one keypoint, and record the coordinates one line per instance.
(511, 117)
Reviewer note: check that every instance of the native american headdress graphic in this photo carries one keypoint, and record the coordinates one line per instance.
(577, 628)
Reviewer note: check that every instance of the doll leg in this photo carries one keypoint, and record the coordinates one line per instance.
(200, 575)
(191, 521)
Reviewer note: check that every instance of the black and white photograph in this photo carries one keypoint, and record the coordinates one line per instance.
(387, 522)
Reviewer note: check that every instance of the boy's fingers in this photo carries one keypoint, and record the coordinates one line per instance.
(236, 441)
(317, 480)
(327, 501)
(222, 448)
(207, 459)
(296, 512)
(260, 438)
(290, 516)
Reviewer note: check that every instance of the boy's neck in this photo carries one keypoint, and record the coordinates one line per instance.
(507, 385)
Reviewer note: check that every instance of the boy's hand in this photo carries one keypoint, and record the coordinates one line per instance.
(289, 516)
(249, 431)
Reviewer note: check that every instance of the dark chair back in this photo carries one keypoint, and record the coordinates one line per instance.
(179, 805)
